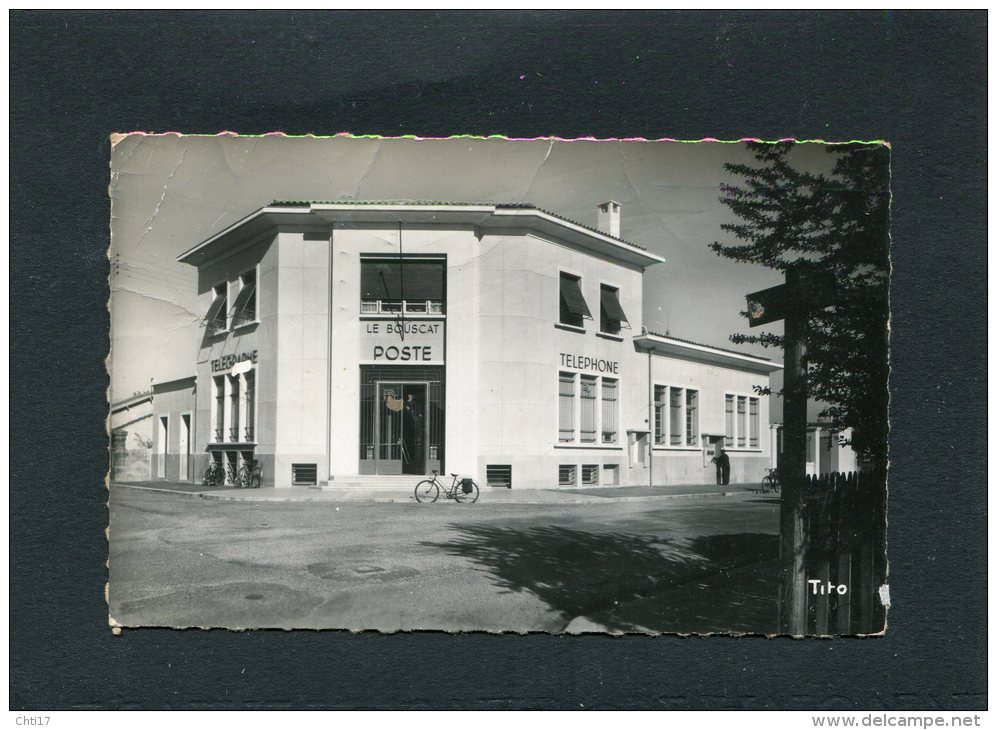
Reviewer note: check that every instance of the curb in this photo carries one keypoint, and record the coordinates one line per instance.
(410, 500)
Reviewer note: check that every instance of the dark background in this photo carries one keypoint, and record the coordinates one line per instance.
(915, 79)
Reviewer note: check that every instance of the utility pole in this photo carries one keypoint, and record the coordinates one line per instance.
(793, 302)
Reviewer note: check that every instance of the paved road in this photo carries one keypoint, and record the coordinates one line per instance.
(697, 566)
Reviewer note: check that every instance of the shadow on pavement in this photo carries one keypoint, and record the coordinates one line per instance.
(631, 582)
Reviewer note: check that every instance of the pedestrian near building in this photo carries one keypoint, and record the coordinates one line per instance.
(723, 467)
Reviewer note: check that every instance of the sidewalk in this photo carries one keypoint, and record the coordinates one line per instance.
(595, 495)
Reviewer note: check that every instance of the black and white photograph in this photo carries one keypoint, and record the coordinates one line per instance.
(482, 384)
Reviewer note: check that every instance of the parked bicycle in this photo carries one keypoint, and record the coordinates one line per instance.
(250, 475)
(463, 490)
(214, 475)
(770, 482)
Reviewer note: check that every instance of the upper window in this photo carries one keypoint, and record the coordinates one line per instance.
(574, 310)
(611, 314)
(410, 285)
(217, 319)
(244, 310)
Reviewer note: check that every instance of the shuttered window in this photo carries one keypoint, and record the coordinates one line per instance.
(611, 315)
(588, 409)
(566, 475)
(728, 420)
(566, 408)
(660, 394)
(590, 474)
(244, 310)
(691, 417)
(609, 411)
(675, 417)
(573, 307)
(753, 422)
(742, 434)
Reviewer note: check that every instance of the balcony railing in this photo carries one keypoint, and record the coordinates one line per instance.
(401, 306)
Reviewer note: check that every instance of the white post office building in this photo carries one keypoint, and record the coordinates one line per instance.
(351, 342)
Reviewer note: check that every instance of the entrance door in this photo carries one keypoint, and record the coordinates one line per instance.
(402, 428)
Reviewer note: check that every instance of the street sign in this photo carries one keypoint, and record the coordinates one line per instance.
(803, 291)
(767, 305)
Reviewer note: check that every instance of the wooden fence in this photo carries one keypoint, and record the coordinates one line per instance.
(846, 529)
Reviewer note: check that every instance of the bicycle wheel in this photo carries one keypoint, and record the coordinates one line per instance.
(467, 497)
(775, 485)
(766, 484)
(427, 491)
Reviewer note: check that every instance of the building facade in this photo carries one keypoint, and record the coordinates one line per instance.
(352, 342)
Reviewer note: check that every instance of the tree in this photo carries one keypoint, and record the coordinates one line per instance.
(835, 222)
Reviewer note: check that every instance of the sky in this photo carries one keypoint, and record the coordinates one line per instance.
(170, 192)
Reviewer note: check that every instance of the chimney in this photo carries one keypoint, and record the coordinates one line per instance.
(609, 218)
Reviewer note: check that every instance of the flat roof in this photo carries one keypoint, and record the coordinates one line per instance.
(305, 212)
(679, 347)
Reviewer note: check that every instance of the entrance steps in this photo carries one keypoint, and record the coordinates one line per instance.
(375, 481)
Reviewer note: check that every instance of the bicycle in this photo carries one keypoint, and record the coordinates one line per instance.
(250, 475)
(464, 491)
(770, 482)
(214, 475)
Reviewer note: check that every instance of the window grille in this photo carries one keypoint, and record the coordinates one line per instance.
(590, 474)
(250, 405)
(219, 386)
(234, 408)
(566, 475)
(609, 427)
(304, 474)
(499, 475)
(566, 408)
(588, 409)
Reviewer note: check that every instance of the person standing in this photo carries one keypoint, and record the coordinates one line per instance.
(723, 467)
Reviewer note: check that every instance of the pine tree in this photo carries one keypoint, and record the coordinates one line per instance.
(838, 223)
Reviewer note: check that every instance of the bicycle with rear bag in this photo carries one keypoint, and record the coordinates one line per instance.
(463, 489)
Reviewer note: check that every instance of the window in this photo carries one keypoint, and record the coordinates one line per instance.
(728, 420)
(217, 318)
(566, 408)
(250, 405)
(611, 315)
(753, 423)
(590, 474)
(233, 429)
(574, 310)
(412, 285)
(611, 474)
(304, 474)
(742, 421)
(660, 393)
(499, 475)
(741, 431)
(691, 417)
(566, 475)
(588, 409)
(675, 417)
(218, 383)
(244, 310)
(609, 427)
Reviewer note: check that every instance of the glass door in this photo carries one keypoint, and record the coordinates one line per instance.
(402, 428)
